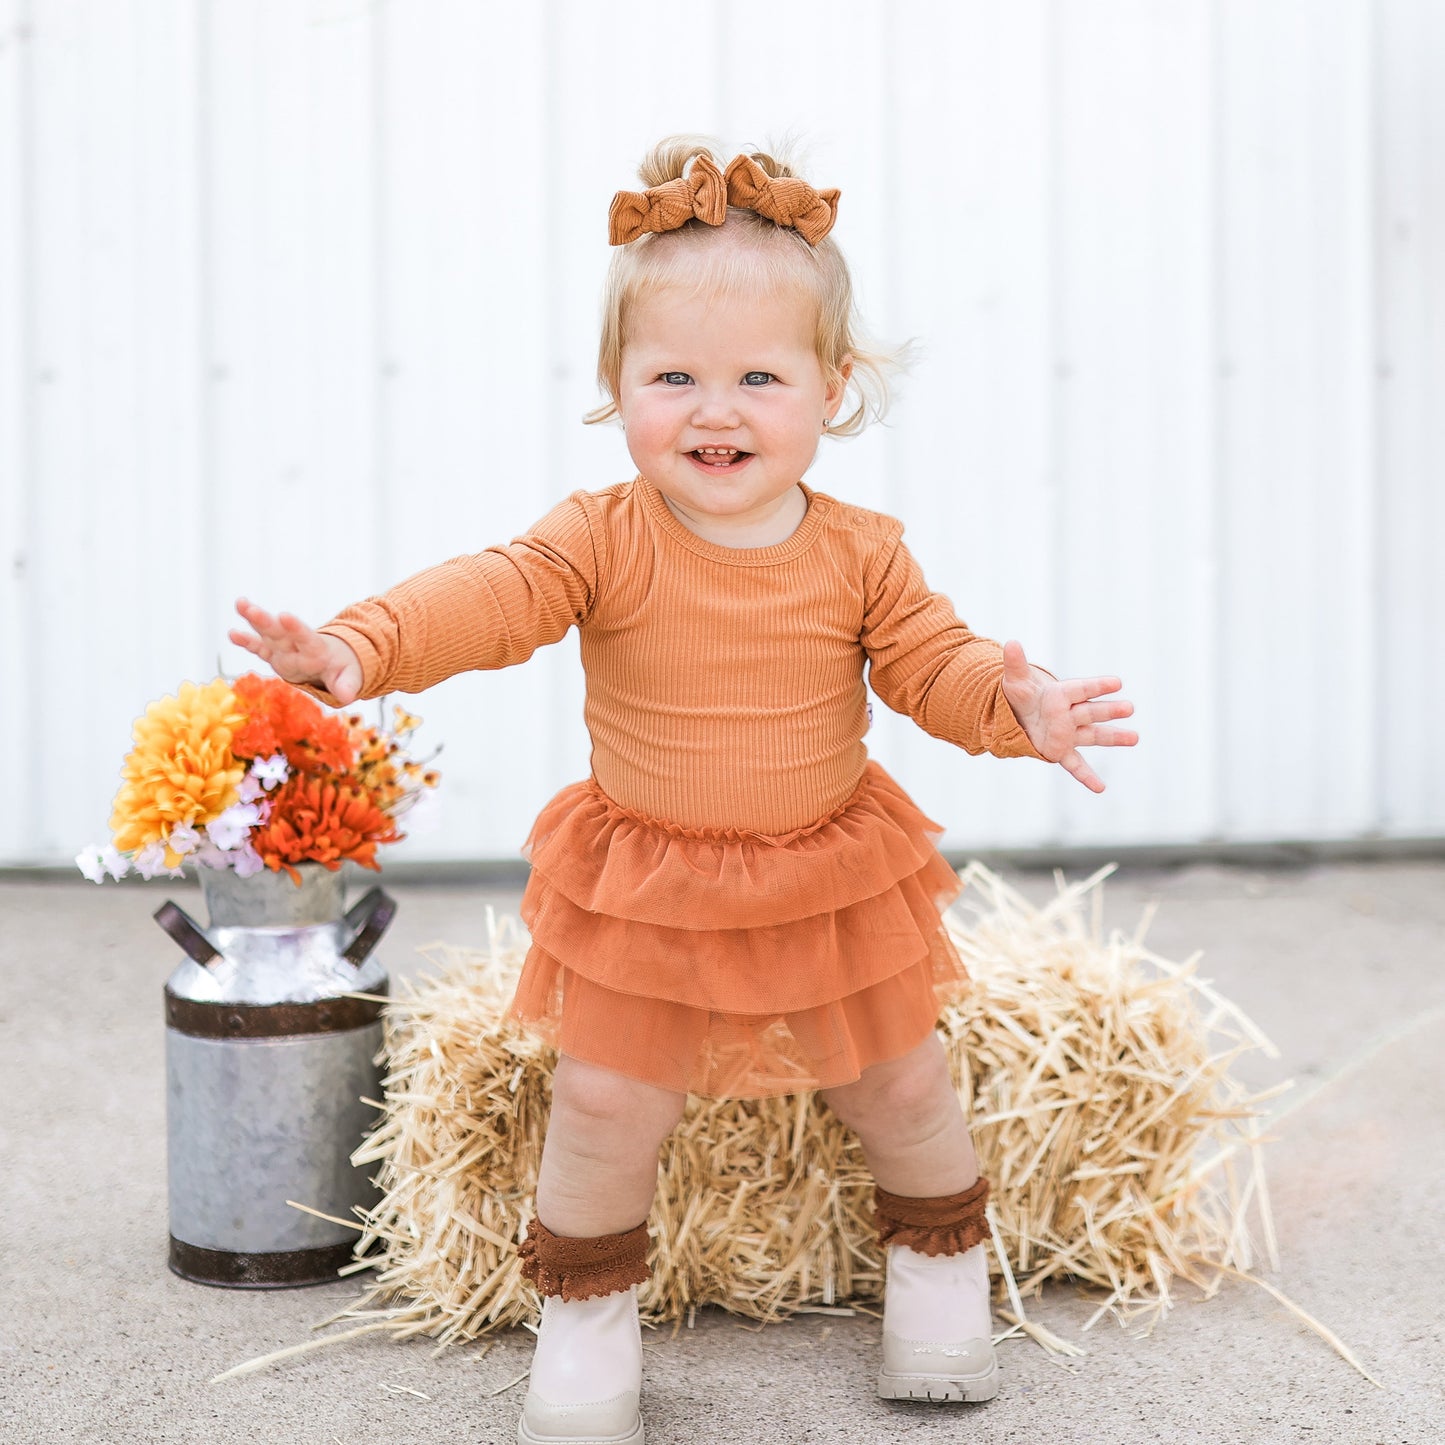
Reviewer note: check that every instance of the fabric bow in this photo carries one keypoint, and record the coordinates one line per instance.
(706, 193)
(701, 193)
(785, 200)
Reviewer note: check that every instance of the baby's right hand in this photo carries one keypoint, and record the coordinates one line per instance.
(299, 653)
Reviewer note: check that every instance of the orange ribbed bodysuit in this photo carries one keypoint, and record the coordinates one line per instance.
(737, 901)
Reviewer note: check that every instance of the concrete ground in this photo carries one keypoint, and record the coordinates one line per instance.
(1341, 964)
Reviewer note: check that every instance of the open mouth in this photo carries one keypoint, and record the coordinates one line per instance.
(719, 459)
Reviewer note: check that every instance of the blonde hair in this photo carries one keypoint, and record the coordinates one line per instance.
(747, 253)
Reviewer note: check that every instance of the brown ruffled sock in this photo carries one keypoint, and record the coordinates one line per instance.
(582, 1268)
(946, 1224)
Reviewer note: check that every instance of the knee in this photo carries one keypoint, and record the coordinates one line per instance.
(912, 1096)
(602, 1100)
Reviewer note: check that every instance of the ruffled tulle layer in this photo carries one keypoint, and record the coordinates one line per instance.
(724, 963)
(608, 859)
(736, 1056)
(776, 968)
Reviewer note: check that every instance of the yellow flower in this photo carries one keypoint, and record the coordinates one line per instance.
(181, 769)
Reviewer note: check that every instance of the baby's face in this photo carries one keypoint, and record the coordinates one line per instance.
(723, 402)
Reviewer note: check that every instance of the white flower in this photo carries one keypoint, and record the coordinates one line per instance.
(230, 829)
(95, 862)
(184, 839)
(150, 862)
(114, 861)
(251, 789)
(245, 860)
(272, 771)
(88, 861)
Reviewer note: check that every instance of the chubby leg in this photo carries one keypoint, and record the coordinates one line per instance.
(937, 1319)
(586, 1251)
(599, 1162)
(910, 1123)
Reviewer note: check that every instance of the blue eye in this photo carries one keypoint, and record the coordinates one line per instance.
(758, 378)
(675, 378)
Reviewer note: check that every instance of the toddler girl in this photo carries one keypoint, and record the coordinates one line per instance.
(737, 901)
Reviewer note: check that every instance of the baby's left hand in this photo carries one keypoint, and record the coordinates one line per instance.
(1060, 717)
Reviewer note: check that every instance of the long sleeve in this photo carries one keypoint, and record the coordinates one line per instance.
(926, 663)
(488, 610)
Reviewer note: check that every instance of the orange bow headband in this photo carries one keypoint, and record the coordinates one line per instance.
(706, 192)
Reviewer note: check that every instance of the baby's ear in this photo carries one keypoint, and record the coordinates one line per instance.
(839, 379)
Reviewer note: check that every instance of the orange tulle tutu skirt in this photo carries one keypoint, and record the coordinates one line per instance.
(735, 964)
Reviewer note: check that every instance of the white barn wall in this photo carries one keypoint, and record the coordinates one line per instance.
(1131, 396)
(1296, 413)
(18, 634)
(298, 296)
(1409, 240)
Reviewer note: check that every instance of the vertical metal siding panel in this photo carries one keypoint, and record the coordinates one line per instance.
(971, 435)
(1411, 236)
(159, 513)
(115, 534)
(19, 736)
(1348, 797)
(467, 374)
(75, 294)
(1297, 708)
(1135, 404)
(290, 222)
(59, 594)
(336, 155)
(255, 224)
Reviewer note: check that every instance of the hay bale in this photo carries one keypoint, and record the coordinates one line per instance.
(1123, 1152)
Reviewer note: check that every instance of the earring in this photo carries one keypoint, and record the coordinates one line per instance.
(825, 423)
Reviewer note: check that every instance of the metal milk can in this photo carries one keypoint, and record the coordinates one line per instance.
(268, 1065)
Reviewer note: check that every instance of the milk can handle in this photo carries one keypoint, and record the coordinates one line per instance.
(184, 929)
(370, 917)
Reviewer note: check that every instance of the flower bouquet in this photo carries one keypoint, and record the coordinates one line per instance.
(251, 774)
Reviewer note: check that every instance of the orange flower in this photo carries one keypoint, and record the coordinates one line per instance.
(279, 719)
(322, 820)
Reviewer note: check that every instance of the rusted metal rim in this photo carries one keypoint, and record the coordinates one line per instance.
(204, 1020)
(258, 1271)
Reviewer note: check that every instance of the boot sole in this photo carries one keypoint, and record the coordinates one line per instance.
(965, 1389)
(526, 1437)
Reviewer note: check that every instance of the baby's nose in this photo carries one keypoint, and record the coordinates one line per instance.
(716, 411)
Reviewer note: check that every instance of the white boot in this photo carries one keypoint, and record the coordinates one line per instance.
(586, 1373)
(937, 1327)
